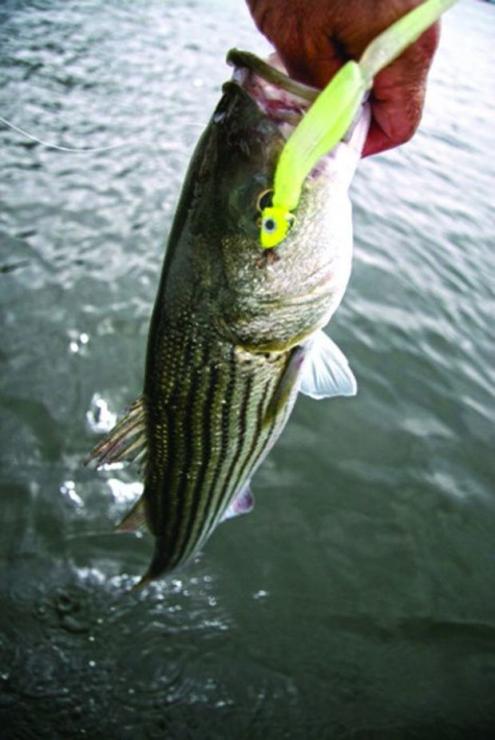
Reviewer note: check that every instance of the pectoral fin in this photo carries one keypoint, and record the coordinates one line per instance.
(326, 372)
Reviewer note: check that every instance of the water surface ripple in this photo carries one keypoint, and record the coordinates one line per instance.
(357, 600)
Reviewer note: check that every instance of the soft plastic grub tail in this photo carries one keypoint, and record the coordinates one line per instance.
(333, 112)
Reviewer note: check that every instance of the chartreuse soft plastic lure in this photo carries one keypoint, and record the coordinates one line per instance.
(332, 113)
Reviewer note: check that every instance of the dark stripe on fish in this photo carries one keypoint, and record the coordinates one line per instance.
(270, 423)
(222, 451)
(182, 497)
(163, 498)
(257, 440)
(170, 474)
(220, 496)
(200, 523)
(241, 439)
(205, 403)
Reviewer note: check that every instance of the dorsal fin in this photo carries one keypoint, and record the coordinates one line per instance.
(126, 441)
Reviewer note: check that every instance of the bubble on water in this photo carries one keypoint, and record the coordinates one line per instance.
(176, 586)
(124, 492)
(112, 466)
(99, 417)
(78, 340)
(92, 575)
(68, 490)
(221, 703)
(260, 595)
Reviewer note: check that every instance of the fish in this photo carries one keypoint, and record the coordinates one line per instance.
(236, 332)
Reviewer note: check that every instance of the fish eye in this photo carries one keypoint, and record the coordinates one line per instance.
(269, 224)
(264, 199)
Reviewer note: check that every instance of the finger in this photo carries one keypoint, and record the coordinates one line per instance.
(299, 35)
(314, 38)
(398, 95)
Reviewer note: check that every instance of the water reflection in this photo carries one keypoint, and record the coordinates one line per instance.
(356, 600)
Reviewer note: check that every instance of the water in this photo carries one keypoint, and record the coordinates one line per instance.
(358, 599)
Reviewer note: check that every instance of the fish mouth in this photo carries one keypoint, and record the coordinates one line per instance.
(280, 98)
(284, 101)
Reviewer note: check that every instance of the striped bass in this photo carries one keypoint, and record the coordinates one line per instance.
(236, 331)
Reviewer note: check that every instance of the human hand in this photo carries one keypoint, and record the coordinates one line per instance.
(314, 38)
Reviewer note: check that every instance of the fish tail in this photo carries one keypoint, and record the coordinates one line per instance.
(142, 583)
(161, 563)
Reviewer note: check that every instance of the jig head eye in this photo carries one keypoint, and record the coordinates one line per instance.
(275, 225)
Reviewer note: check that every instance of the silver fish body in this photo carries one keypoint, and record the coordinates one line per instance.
(232, 324)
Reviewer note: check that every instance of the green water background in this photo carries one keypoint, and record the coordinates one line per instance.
(358, 599)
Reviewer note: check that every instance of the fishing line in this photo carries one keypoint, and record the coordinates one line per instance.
(73, 150)
(85, 150)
